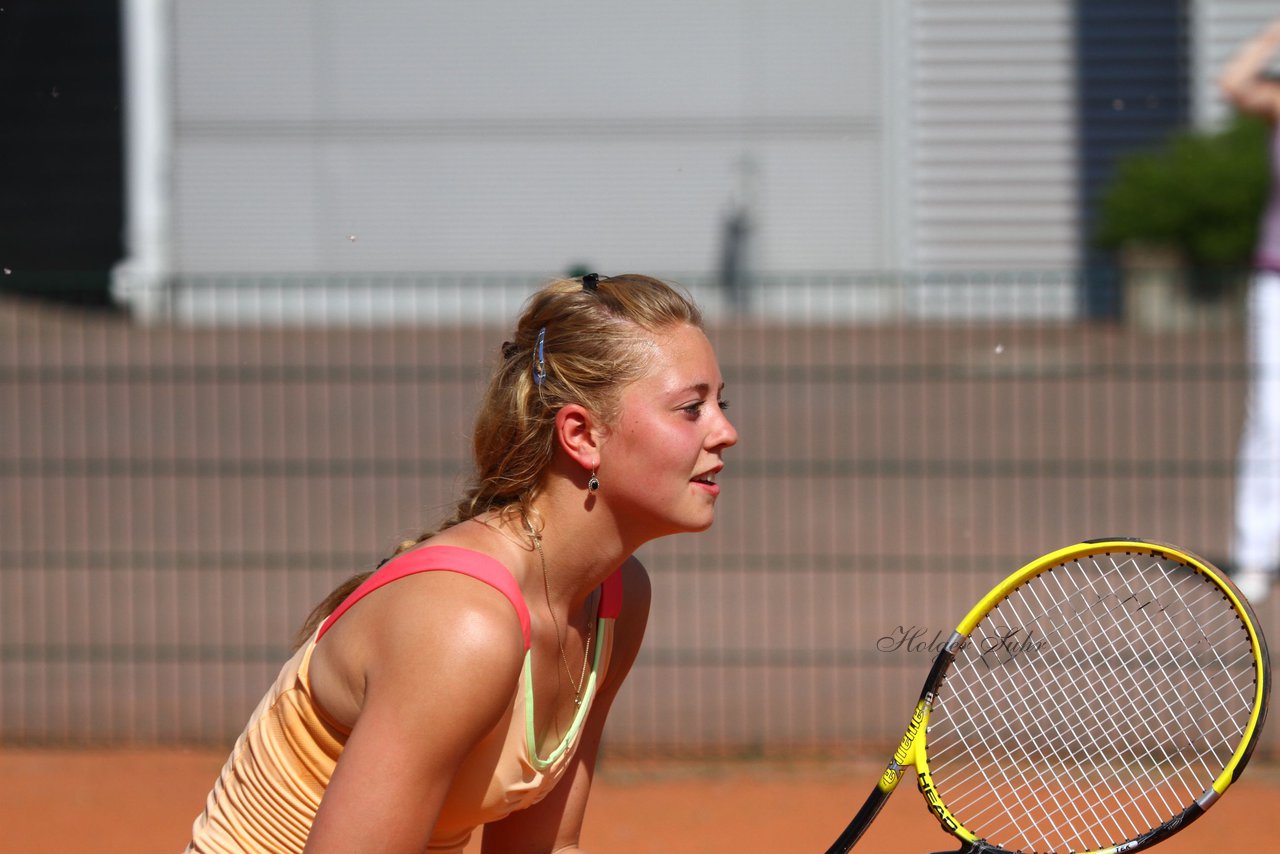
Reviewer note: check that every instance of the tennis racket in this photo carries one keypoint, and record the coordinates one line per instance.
(1099, 699)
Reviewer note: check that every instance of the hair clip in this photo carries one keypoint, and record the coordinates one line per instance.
(509, 349)
(590, 281)
(539, 360)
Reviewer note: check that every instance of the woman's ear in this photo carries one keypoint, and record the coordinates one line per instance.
(579, 433)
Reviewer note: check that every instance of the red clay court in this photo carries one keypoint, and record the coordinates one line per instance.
(143, 801)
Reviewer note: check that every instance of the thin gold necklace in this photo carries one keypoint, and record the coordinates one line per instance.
(586, 652)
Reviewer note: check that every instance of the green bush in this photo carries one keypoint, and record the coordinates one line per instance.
(1201, 192)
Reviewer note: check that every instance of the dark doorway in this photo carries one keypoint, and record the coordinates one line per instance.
(61, 149)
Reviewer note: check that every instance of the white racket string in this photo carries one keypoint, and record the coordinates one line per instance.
(1050, 803)
(1151, 735)
(1078, 724)
(1093, 703)
(1075, 747)
(1032, 706)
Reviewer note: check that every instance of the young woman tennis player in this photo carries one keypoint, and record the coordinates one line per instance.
(466, 681)
(1251, 87)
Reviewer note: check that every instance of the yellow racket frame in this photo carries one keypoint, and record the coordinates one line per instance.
(912, 751)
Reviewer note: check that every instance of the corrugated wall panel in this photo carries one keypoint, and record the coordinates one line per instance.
(993, 148)
(1220, 27)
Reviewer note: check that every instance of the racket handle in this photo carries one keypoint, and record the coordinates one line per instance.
(861, 821)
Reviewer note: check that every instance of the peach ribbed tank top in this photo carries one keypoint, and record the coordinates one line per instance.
(271, 785)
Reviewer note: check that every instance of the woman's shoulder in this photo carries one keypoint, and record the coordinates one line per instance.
(419, 629)
(450, 608)
(430, 570)
(441, 581)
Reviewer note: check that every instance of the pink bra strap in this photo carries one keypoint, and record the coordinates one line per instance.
(611, 596)
(447, 559)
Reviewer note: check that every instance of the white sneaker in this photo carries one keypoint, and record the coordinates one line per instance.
(1255, 584)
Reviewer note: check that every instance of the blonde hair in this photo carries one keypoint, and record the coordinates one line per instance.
(595, 342)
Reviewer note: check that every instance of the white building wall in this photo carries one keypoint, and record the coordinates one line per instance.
(492, 136)
(867, 136)
(1219, 28)
(992, 159)
(994, 125)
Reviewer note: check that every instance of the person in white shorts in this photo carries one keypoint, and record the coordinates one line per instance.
(1246, 83)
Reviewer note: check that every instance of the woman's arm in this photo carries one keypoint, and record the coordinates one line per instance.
(1241, 80)
(436, 681)
(555, 823)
